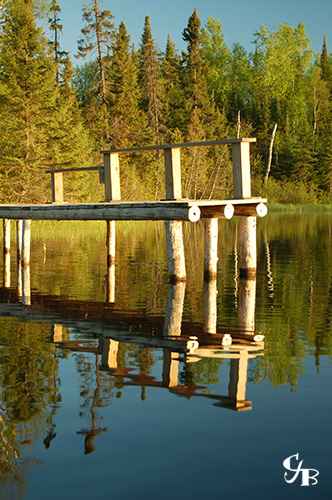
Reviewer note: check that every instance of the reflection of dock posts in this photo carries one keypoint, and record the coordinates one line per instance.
(210, 306)
(25, 259)
(170, 368)
(6, 253)
(112, 193)
(174, 308)
(238, 379)
(247, 303)
(57, 332)
(109, 356)
(210, 275)
(173, 229)
(110, 245)
(247, 252)
(210, 248)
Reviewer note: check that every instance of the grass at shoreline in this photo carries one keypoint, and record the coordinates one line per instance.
(278, 208)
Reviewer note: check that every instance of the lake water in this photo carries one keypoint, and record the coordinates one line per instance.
(102, 398)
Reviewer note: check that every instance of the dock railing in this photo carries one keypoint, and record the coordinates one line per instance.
(109, 173)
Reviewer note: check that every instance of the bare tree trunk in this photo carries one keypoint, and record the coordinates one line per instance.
(100, 56)
(238, 124)
(268, 168)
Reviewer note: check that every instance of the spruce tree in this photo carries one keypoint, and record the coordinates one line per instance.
(126, 118)
(172, 92)
(326, 65)
(202, 119)
(56, 27)
(28, 106)
(151, 83)
(73, 146)
(201, 115)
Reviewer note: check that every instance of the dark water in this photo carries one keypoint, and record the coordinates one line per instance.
(101, 398)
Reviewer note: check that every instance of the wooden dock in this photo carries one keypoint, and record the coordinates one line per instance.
(173, 209)
(184, 210)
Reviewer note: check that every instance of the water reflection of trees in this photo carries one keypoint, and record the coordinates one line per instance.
(293, 310)
(29, 390)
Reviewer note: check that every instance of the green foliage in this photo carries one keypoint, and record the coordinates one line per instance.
(122, 97)
(28, 107)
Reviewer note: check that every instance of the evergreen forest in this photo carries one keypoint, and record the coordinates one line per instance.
(59, 113)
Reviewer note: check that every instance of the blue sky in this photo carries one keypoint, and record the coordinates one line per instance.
(240, 19)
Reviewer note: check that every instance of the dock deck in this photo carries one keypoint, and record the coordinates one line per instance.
(185, 210)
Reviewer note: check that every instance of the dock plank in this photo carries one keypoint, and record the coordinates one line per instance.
(190, 210)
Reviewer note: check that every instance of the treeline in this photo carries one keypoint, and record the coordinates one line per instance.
(53, 115)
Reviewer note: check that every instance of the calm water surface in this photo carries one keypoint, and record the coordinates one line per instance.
(101, 397)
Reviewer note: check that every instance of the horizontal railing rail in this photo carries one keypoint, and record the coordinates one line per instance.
(109, 173)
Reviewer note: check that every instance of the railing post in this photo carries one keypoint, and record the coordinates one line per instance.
(57, 187)
(241, 170)
(173, 173)
(112, 177)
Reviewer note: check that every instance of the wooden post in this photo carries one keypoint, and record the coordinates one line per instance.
(19, 284)
(57, 187)
(112, 177)
(26, 286)
(173, 173)
(174, 309)
(110, 245)
(248, 251)
(210, 248)
(175, 251)
(25, 256)
(241, 170)
(210, 306)
(26, 239)
(6, 236)
(19, 230)
(247, 305)
(6, 253)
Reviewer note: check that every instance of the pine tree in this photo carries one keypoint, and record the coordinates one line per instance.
(98, 34)
(28, 106)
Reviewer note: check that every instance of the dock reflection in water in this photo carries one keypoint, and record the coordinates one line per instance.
(74, 324)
